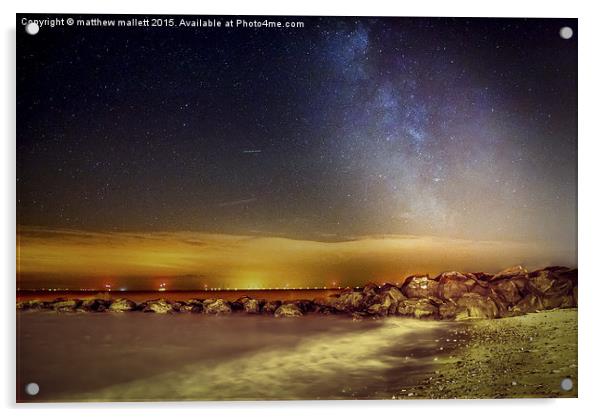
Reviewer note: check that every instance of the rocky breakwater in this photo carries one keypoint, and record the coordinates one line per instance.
(447, 296)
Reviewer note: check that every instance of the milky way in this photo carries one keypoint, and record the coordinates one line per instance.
(459, 128)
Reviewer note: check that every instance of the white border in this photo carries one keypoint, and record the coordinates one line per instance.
(590, 202)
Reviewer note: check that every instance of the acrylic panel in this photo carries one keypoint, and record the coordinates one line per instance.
(295, 208)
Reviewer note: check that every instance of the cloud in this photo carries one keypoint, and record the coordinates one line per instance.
(191, 259)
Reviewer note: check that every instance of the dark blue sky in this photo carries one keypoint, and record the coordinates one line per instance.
(346, 127)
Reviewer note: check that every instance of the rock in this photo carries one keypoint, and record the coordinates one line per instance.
(251, 306)
(567, 273)
(370, 289)
(417, 307)
(195, 305)
(483, 276)
(323, 306)
(160, 306)
(420, 286)
(507, 290)
(550, 283)
(180, 306)
(378, 309)
(63, 306)
(386, 301)
(392, 292)
(306, 306)
(511, 272)
(270, 307)
(473, 305)
(358, 316)
(563, 272)
(237, 306)
(453, 285)
(481, 288)
(448, 310)
(348, 301)
(288, 310)
(575, 300)
(540, 282)
(217, 307)
(121, 305)
(30, 305)
(558, 301)
(95, 305)
(529, 304)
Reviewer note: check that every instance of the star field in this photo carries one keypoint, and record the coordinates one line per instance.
(347, 127)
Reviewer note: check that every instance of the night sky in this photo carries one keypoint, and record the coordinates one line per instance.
(461, 129)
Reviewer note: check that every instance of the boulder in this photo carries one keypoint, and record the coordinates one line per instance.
(417, 307)
(97, 305)
(30, 305)
(160, 306)
(386, 301)
(558, 301)
(370, 289)
(378, 309)
(567, 273)
(473, 305)
(392, 292)
(251, 306)
(547, 284)
(64, 306)
(540, 282)
(323, 306)
(453, 285)
(507, 290)
(529, 304)
(448, 310)
(512, 272)
(360, 315)
(348, 301)
(237, 306)
(216, 307)
(288, 310)
(270, 307)
(420, 286)
(121, 305)
(483, 276)
(182, 307)
(195, 304)
(306, 306)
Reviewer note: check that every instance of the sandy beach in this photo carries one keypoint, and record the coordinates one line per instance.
(525, 356)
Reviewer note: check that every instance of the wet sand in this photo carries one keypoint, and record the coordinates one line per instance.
(148, 357)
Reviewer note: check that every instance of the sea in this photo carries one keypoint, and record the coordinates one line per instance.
(139, 296)
(137, 356)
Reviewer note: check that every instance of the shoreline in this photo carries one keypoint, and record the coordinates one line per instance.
(310, 358)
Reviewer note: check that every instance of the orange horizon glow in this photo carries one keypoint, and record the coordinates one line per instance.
(190, 260)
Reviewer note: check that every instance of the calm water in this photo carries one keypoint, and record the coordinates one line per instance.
(139, 296)
(137, 356)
